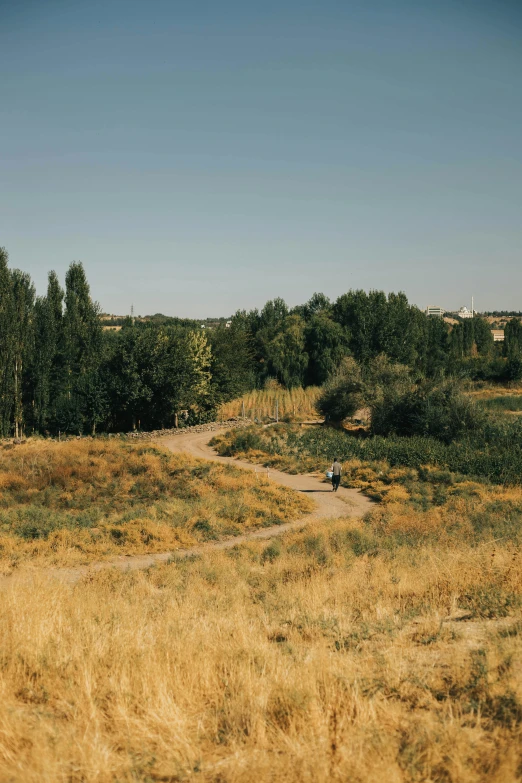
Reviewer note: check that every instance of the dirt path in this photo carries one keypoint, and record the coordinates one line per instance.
(345, 502)
(328, 505)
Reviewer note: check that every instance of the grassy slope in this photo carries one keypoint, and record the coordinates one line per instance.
(325, 656)
(92, 499)
(332, 654)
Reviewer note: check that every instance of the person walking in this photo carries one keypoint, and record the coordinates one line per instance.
(336, 474)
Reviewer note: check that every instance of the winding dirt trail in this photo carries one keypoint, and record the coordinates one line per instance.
(328, 505)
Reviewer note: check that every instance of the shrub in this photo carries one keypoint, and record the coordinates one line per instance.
(437, 411)
(514, 369)
(343, 393)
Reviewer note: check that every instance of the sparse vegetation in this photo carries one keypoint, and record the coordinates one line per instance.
(387, 648)
(333, 655)
(287, 660)
(81, 500)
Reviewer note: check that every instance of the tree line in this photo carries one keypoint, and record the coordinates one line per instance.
(61, 372)
(306, 345)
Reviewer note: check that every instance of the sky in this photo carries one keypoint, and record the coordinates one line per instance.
(203, 157)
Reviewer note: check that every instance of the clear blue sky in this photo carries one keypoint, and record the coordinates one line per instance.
(201, 157)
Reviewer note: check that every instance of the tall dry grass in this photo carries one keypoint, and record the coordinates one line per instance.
(90, 499)
(318, 658)
(297, 404)
(487, 391)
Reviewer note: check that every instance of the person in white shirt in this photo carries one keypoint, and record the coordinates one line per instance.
(336, 474)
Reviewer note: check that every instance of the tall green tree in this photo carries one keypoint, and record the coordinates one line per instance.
(48, 359)
(482, 337)
(513, 338)
(380, 324)
(81, 325)
(355, 311)
(129, 391)
(6, 345)
(285, 352)
(232, 369)
(23, 295)
(326, 344)
(433, 361)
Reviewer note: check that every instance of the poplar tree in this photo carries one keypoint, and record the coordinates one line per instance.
(82, 327)
(82, 343)
(48, 358)
(23, 294)
(6, 345)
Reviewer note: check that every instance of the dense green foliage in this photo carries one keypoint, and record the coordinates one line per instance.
(494, 453)
(308, 343)
(61, 371)
(343, 393)
(437, 411)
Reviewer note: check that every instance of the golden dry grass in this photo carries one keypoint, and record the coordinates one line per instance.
(485, 391)
(83, 500)
(305, 660)
(362, 651)
(297, 404)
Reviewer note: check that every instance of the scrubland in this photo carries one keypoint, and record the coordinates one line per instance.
(494, 454)
(83, 500)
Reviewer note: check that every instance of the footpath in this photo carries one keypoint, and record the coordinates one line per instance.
(194, 441)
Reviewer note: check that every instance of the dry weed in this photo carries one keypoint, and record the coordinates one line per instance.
(74, 502)
(293, 404)
(311, 663)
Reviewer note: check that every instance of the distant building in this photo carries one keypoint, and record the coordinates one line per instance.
(498, 335)
(438, 311)
(463, 313)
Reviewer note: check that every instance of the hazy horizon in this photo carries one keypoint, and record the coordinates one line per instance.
(204, 158)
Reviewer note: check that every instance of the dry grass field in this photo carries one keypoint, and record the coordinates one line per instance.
(388, 648)
(91, 499)
(487, 391)
(329, 655)
(294, 404)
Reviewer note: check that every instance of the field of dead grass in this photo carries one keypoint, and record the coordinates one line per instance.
(83, 500)
(388, 648)
(332, 655)
(293, 404)
(488, 391)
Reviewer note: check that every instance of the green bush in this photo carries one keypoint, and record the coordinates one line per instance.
(505, 402)
(435, 411)
(343, 393)
(493, 452)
